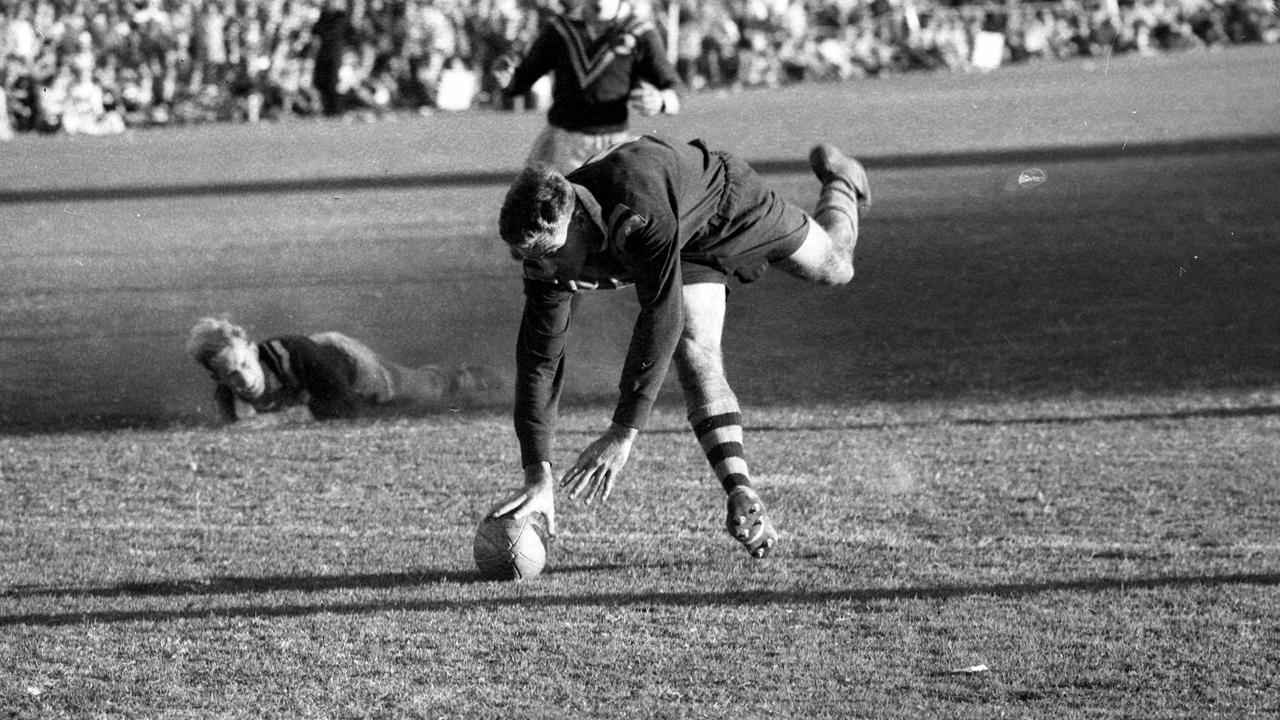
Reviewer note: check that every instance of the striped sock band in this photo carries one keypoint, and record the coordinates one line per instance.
(718, 427)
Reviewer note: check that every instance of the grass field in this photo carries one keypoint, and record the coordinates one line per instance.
(1039, 434)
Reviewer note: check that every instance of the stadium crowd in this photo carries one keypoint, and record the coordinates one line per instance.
(99, 66)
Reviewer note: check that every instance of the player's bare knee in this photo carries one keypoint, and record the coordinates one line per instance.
(700, 370)
(696, 360)
(841, 274)
(834, 272)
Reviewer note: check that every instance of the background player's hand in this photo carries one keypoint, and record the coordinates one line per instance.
(503, 70)
(645, 99)
(598, 466)
(537, 496)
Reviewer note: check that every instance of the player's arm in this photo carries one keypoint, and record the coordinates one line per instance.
(658, 324)
(225, 400)
(540, 351)
(516, 77)
(653, 342)
(658, 88)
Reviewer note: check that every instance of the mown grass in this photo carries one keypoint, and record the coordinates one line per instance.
(1100, 565)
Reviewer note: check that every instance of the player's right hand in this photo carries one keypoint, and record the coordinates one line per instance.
(645, 99)
(537, 496)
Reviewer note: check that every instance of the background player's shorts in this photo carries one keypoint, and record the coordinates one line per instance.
(751, 229)
(566, 150)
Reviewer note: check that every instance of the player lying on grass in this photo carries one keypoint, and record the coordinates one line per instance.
(677, 221)
(333, 375)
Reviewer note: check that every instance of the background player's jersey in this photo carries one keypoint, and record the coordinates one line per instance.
(594, 76)
(298, 372)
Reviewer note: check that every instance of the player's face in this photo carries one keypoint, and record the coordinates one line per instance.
(238, 368)
(566, 261)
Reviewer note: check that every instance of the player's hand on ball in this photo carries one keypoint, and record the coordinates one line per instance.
(645, 99)
(537, 496)
(592, 476)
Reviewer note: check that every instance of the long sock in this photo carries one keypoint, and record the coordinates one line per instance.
(718, 427)
(837, 213)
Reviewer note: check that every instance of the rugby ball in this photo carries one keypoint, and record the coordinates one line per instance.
(509, 549)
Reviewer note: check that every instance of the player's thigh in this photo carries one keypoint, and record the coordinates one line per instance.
(704, 309)
(698, 359)
(565, 150)
(698, 351)
(813, 259)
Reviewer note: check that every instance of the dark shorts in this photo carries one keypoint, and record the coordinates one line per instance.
(752, 228)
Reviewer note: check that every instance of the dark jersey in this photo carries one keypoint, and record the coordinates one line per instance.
(299, 372)
(593, 76)
(660, 205)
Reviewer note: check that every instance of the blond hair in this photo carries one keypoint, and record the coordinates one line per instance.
(211, 336)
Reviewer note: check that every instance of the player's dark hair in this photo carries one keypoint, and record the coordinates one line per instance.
(538, 202)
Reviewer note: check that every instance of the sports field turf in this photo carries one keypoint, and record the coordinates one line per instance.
(1040, 433)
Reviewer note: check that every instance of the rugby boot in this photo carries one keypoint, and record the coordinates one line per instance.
(844, 180)
(748, 523)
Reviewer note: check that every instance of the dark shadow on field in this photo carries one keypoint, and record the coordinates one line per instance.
(160, 421)
(239, 585)
(1211, 413)
(765, 166)
(230, 585)
(1144, 270)
(674, 599)
(484, 410)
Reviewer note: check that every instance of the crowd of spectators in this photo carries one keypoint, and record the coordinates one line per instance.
(99, 66)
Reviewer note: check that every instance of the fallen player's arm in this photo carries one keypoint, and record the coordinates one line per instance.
(225, 400)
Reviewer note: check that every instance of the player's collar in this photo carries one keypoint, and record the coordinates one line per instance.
(594, 212)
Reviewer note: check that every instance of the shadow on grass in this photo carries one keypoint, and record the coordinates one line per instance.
(673, 599)
(1207, 413)
(766, 166)
(106, 423)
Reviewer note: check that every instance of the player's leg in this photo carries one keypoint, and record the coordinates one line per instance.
(827, 254)
(474, 383)
(566, 151)
(715, 416)
(425, 385)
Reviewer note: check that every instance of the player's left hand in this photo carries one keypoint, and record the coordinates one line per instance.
(599, 464)
(645, 99)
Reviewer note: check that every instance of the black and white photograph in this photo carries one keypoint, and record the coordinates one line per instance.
(625, 359)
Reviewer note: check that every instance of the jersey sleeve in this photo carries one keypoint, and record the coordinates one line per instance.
(225, 400)
(655, 68)
(540, 353)
(654, 253)
(538, 61)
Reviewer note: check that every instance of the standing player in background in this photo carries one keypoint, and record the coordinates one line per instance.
(606, 61)
(677, 221)
(332, 35)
